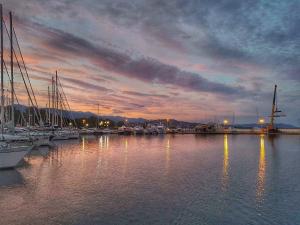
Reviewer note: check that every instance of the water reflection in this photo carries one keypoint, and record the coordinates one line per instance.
(10, 178)
(99, 154)
(261, 170)
(126, 144)
(83, 144)
(104, 142)
(125, 156)
(107, 142)
(175, 179)
(225, 176)
(100, 142)
(168, 148)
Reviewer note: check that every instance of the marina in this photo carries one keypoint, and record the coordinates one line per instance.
(41, 127)
(148, 113)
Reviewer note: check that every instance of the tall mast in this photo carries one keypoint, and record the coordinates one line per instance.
(29, 113)
(2, 90)
(61, 112)
(273, 106)
(56, 90)
(52, 122)
(98, 117)
(49, 106)
(12, 72)
(46, 113)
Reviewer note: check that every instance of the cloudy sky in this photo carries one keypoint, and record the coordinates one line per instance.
(192, 60)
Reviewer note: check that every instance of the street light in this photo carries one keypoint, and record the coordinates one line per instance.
(261, 121)
(87, 125)
(225, 122)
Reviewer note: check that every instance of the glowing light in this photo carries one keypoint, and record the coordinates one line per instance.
(225, 122)
(70, 124)
(87, 125)
(261, 120)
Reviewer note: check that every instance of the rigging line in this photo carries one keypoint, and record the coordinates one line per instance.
(14, 90)
(62, 104)
(67, 102)
(67, 113)
(17, 41)
(30, 98)
(72, 117)
(34, 108)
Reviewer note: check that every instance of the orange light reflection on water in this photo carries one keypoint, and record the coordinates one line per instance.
(261, 176)
(225, 176)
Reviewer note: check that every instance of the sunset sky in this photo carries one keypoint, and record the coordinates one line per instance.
(189, 60)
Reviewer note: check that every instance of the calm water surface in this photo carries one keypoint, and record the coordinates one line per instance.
(181, 179)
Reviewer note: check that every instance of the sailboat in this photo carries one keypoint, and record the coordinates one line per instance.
(11, 153)
(60, 128)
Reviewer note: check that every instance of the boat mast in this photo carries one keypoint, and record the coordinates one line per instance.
(273, 107)
(52, 122)
(98, 117)
(56, 105)
(61, 111)
(49, 106)
(2, 90)
(12, 73)
(29, 113)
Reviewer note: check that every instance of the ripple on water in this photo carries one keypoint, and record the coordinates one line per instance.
(181, 179)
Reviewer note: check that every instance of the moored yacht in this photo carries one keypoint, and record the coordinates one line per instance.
(12, 153)
(160, 129)
(125, 130)
(138, 130)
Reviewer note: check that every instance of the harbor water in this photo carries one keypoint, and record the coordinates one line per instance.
(167, 179)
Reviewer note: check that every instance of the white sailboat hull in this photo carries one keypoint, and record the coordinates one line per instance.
(11, 156)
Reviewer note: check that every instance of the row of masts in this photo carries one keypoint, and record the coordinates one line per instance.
(57, 103)
(3, 114)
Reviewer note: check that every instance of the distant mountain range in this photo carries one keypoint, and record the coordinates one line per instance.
(79, 115)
